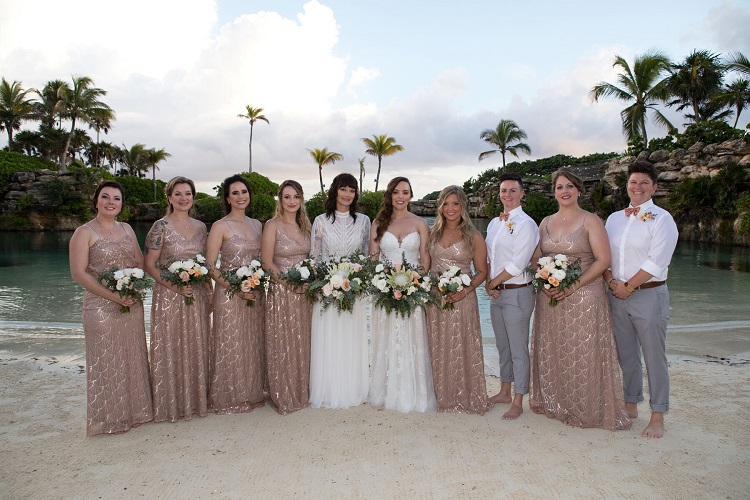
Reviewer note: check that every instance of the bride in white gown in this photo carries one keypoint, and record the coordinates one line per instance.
(338, 348)
(401, 376)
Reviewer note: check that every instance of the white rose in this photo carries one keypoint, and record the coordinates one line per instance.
(453, 270)
(547, 286)
(174, 266)
(255, 263)
(120, 284)
(411, 290)
(379, 268)
(242, 272)
(327, 290)
(545, 261)
(382, 285)
(559, 275)
(336, 281)
(304, 273)
(200, 258)
(561, 257)
(188, 264)
(204, 270)
(465, 279)
(138, 273)
(119, 275)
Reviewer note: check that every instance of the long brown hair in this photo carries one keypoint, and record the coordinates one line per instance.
(464, 225)
(383, 219)
(301, 218)
(225, 205)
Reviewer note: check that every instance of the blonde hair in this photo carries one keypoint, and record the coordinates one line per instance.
(464, 225)
(301, 218)
(174, 181)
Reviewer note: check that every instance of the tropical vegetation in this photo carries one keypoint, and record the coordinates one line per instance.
(323, 157)
(506, 138)
(380, 146)
(252, 115)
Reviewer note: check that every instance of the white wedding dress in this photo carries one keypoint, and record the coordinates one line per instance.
(338, 346)
(400, 359)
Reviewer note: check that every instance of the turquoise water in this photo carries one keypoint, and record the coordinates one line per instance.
(709, 287)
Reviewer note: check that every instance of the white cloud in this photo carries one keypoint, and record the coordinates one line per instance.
(359, 77)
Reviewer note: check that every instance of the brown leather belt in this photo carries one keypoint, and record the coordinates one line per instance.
(650, 284)
(511, 286)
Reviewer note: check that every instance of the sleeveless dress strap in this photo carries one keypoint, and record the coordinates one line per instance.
(227, 221)
(92, 227)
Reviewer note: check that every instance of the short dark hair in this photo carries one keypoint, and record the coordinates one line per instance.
(104, 184)
(225, 191)
(643, 167)
(511, 176)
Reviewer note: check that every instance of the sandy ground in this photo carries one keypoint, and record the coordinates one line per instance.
(366, 453)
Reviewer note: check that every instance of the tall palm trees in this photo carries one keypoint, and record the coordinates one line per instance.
(380, 146)
(152, 157)
(82, 102)
(695, 81)
(504, 136)
(361, 172)
(254, 115)
(644, 85)
(15, 107)
(324, 157)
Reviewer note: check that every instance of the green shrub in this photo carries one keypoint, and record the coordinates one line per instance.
(67, 201)
(707, 132)
(26, 202)
(538, 206)
(492, 209)
(262, 207)
(315, 205)
(743, 210)
(370, 202)
(138, 190)
(18, 162)
(432, 196)
(207, 208)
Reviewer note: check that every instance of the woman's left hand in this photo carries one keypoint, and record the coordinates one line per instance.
(564, 294)
(457, 296)
(252, 295)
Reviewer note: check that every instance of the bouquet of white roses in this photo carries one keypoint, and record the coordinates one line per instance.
(128, 282)
(246, 279)
(555, 272)
(400, 288)
(451, 281)
(341, 281)
(302, 273)
(189, 272)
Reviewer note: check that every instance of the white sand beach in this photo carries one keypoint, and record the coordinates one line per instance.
(366, 453)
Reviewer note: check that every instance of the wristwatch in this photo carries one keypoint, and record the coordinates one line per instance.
(629, 288)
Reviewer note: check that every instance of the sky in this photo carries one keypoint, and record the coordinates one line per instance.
(432, 74)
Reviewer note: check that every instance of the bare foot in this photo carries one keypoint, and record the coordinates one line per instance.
(632, 410)
(513, 413)
(655, 427)
(500, 397)
(537, 409)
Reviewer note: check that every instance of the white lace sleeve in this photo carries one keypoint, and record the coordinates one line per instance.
(316, 237)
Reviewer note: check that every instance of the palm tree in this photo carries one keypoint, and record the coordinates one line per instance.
(253, 114)
(48, 106)
(15, 107)
(152, 157)
(738, 62)
(82, 102)
(380, 146)
(736, 95)
(324, 157)
(361, 172)
(695, 81)
(134, 160)
(504, 136)
(642, 85)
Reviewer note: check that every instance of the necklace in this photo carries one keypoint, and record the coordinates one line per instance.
(104, 228)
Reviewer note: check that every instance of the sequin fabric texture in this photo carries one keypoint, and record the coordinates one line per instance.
(179, 336)
(238, 354)
(455, 338)
(288, 320)
(118, 389)
(575, 376)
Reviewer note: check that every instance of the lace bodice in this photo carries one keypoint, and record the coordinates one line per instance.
(394, 251)
(340, 236)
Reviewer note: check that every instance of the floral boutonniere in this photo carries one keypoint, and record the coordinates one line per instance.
(646, 216)
(511, 227)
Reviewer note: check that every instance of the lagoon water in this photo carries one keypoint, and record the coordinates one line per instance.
(40, 305)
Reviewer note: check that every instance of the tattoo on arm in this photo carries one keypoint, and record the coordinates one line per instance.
(154, 237)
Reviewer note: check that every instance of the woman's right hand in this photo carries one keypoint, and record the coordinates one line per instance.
(185, 291)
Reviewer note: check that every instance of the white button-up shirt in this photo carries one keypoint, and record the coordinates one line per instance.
(510, 245)
(645, 240)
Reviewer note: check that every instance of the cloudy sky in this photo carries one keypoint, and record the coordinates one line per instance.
(433, 74)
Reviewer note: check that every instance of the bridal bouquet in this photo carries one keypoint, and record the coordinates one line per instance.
(555, 272)
(340, 281)
(128, 282)
(189, 272)
(246, 279)
(400, 288)
(451, 281)
(302, 273)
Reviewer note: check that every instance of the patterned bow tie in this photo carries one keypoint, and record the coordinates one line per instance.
(631, 211)
(503, 216)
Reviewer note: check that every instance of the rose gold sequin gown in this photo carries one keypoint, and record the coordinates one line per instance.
(179, 337)
(238, 366)
(455, 338)
(288, 321)
(118, 389)
(575, 376)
